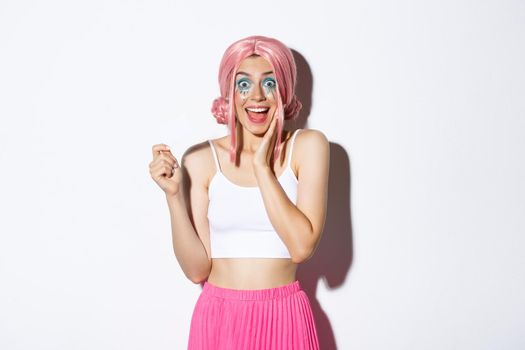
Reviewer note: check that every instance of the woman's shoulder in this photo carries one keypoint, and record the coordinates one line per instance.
(310, 157)
(200, 152)
(198, 161)
(310, 138)
(310, 145)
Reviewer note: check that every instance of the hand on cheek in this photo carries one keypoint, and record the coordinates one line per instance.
(263, 154)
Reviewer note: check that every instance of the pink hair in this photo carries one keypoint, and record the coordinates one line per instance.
(283, 64)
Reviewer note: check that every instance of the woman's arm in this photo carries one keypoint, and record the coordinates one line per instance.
(300, 226)
(190, 231)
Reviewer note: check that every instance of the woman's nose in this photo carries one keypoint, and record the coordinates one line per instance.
(258, 93)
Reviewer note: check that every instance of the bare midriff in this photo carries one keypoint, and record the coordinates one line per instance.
(252, 273)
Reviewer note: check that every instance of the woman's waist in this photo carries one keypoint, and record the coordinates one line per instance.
(251, 273)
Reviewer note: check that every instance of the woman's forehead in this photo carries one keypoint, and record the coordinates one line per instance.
(255, 65)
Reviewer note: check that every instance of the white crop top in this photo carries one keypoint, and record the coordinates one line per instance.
(239, 223)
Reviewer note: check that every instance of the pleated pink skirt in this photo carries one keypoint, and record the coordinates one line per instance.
(278, 318)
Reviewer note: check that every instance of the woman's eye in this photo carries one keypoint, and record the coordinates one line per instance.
(243, 84)
(270, 83)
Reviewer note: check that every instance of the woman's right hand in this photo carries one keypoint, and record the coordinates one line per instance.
(165, 170)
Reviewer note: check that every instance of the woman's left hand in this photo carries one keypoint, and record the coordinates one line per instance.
(264, 153)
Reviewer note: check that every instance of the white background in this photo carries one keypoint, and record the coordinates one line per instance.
(423, 103)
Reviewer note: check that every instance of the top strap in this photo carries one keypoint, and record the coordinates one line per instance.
(291, 147)
(214, 152)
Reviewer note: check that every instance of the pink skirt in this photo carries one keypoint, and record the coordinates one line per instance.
(232, 319)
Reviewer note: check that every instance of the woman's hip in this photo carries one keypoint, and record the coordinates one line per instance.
(271, 318)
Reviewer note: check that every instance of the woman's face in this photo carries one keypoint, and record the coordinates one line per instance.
(255, 94)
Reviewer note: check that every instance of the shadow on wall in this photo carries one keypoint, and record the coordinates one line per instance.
(333, 257)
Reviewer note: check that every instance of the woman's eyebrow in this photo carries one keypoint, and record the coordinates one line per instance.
(265, 73)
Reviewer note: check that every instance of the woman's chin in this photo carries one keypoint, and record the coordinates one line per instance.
(256, 128)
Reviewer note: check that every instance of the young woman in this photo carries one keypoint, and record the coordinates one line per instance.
(248, 207)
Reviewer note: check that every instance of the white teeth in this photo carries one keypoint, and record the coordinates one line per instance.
(258, 110)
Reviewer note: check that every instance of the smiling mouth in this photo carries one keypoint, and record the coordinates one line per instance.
(257, 115)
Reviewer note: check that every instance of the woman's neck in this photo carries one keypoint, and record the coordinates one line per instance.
(248, 143)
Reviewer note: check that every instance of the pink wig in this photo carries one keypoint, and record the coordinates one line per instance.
(283, 64)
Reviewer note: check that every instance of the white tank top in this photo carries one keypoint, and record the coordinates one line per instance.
(239, 223)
